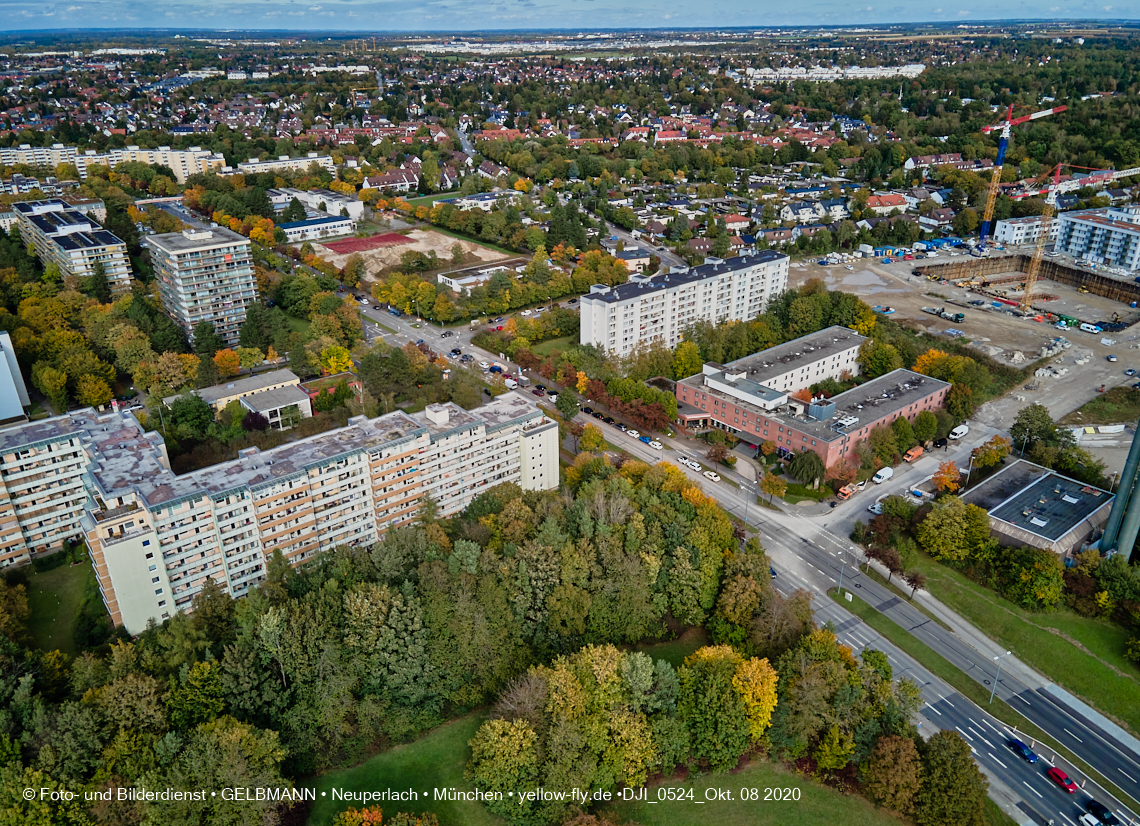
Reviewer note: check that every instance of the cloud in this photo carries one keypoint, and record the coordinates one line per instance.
(315, 8)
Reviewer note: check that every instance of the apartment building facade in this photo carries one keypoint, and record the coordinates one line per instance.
(62, 235)
(1023, 230)
(657, 309)
(204, 275)
(182, 162)
(1108, 236)
(155, 538)
(284, 163)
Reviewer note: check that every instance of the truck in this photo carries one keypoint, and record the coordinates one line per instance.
(932, 311)
(846, 492)
(912, 454)
(524, 381)
(957, 318)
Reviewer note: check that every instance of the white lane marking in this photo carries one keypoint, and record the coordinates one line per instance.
(991, 725)
(1126, 774)
(932, 708)
(1068, 818)
(1003, 765)
(983, 739)
(948, 703)
(1033, 790)
(1018, 696)
(962, 733)
(1078, 739)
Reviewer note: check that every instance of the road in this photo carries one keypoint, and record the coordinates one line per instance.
(668, 258)
(810, 552)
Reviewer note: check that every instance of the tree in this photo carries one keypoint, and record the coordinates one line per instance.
(966, 221)
(992, 452)
(336, 360)
(942, 533)
(249, 357)
(773, 485)
(295, 211)
(687, 360)
(946, 479)
(953, 788)
(712, 708)
(904, 433)
(1033, 425)
(960, 402)
(592, 439)
(807, 467)
(925, 426)
(206, 340)
(878, 358)
(916, 580)
(894, 773)
(97, 286)
(92, 391)
(228, 363)
(53, 384)
(567, 405)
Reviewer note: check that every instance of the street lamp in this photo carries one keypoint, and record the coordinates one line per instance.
(842, 568)
(997, 677)
(551, 308)
(969, 469)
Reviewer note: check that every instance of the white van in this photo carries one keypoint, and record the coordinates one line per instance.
(883, 475)
(960, 431)
(1090, 328)
(511, 384)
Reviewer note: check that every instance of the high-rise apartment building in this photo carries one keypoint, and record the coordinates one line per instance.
(182, 162)
(156, 537)
(62, 235)
(204, 275)
(1102, 236)
(657, 309)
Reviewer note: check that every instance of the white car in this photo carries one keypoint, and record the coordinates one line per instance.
(656, 445)
(876, 508)
(711, 476)
(484, 365)
(552, 396)
(633, 433)
(525, 312)
(363, 300)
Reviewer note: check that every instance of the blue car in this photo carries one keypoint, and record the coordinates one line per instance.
(1023, 750)
(645, 439)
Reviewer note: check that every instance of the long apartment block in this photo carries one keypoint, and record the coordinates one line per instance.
(155, 538)
(657, 309)
(182, 162)
(66, 237)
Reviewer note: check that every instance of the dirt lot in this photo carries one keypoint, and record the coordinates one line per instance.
(999, 334)
(425, 241)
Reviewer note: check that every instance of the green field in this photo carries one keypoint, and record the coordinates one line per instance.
(817, 804)
(298, 325)
(54, 598)
(435, 761)
(1083, 655)
(548, 347)
(1119, 404)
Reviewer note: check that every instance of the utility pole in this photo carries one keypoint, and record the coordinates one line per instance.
(997, 677)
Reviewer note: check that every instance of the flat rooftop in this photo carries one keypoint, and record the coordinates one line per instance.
(196, 239)
(783, 358)
(633, 289)
(276, 398)
(250, 384)
(1035, 499)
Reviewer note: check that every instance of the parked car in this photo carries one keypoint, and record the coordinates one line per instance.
(538, 392)
(940, 443)
(540, 387)
(656, 445)
(875, 508)
(1102, 813)
(634, 434)
(1130, 372)
(772, 571)
(960, 431)
(587, 410)
(484, 365)
(496, 320)
(525, 313)
(1061, 779)
(645, 439)
(363, 300)
(713, 477)
(1112, 359)
(572, 301)
(622, 427)
(1023, 750)
(598, 414)
(610, 420)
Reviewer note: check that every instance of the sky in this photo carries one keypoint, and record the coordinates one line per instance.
(482, 15)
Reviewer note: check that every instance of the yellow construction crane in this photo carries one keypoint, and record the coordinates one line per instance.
(995, 180)
(1042, 239)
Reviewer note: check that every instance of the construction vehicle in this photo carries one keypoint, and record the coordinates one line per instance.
(995, 179)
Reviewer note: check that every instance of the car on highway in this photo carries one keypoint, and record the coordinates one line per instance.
(484, 365)
(1061, 779)
(1102, 813)
(772, 571)
(645, 439)
(634, 434)
(712, 477)
(1024, 750)
(587, 410)
(656, 445)
(419, 341)
(538, 392)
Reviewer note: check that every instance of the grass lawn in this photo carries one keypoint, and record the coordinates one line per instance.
(817, 804)
(675, 651)
(478, 241)
(973, 690)
(1120, 404)
(804, 493)
(548, 347)
(424, 200)
(298, 325)
(434, 761)
(54, 598)
(1083, 655)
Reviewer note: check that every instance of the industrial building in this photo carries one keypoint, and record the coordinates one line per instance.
(657, 309)
(1102, 236)
(1031, 505)
(751, 398)
(63, 236)
(155, 537)
(204, 275)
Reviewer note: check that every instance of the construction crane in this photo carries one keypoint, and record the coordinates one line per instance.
(1098, 177)
(1042, 239)
(995, 179)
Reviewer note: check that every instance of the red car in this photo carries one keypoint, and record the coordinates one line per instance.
(1062, 780)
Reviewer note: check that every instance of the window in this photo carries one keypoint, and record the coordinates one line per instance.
(145, 543)
(158, 591)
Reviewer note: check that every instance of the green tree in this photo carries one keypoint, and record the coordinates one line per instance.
(687, 360)
(206, 340)
(960, 402)
(925, 426)
(567, 405)
(953, 789)
(942, 533)
(1033, 425)
(92, 391)
(834, 750)
(773, 485)
(713, 710)
(904, 433)
(97, 286)
(807, 467)
(53, 384)
(197, 697)
(894, 773)
(592, 439)
(878, 358)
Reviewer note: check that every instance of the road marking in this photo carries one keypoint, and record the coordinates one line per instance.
(1018, 696)
(1078, 739)
(1033, 790)
(948, 702)
(962, 733)
(1003, 765)
(932, 708)
(1068, 818)
(1126, 774)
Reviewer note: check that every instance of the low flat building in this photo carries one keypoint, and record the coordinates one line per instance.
(314, 229)
(751, 398)
(658, 309)
(1032, 505)
(73, 242)
(324, 201)
(271, 394)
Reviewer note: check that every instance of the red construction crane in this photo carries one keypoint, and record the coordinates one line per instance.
(995, 179)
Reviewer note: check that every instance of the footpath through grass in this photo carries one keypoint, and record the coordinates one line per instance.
(938, 665)
(54, 598)
(1083, 655)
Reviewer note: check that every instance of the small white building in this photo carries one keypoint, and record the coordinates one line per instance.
(1023, 230)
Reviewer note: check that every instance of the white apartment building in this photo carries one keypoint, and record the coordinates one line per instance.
(318, 200)
(1102, 236)
(284, 163)
(63, 236)
(658, 309)
(204, 275)
(155, 537)
(183, 162)
(1023, 230)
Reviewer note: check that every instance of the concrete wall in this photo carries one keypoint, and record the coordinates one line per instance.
(1115, 288)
